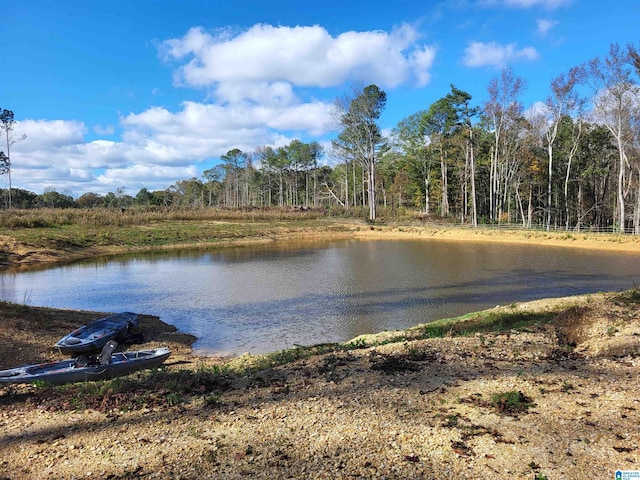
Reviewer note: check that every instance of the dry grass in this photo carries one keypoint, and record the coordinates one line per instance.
(51, 217)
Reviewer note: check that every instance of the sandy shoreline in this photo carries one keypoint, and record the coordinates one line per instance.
(594, 241)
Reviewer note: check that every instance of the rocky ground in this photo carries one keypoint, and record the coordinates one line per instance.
(554, 400)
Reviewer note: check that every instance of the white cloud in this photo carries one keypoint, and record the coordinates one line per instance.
(304, 56)
(544, 25)
(56, 154)
(548, 4)
(277, 93)
(208, 130)
(53, 133)
(143, 175)
(537, 112)
(479, 54)
(423, 60)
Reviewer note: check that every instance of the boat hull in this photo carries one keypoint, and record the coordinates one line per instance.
(93, 336)
(69, 371)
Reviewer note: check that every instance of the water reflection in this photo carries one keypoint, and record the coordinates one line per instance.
(265, 298)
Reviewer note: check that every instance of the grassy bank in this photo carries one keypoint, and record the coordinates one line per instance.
(46, 235)
(59, 235)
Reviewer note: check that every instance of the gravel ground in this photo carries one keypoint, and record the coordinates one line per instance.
(423, 408)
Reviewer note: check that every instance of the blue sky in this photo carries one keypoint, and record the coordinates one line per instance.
(131, 94)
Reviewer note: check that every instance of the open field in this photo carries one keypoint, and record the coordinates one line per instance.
(546, 390)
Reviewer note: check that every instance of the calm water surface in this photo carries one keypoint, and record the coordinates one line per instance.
(262, 299)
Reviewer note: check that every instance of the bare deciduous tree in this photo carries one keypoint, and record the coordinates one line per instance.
(7, 123)
(564, 100)
(615, 106)
(503, 111)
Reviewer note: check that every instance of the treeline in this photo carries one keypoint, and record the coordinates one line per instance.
(572, 161)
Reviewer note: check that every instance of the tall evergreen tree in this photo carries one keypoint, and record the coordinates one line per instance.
(361, 134)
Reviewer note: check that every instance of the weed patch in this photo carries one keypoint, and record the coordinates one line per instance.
(512, 402)
(485, 322)
(628, 297)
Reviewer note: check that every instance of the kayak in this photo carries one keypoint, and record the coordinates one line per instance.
(95, 335)
(86, 368)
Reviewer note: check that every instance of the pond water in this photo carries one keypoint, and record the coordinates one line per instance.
(265, 298)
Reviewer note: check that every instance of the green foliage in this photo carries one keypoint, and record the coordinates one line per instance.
(627, 297)
(212, 400)
(173, 399)
(485, 322)
(356, 344)
(511, 402)
(53, 199)
(567, 387)
(107, 387)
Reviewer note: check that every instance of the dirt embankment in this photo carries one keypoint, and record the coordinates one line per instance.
(554, 400)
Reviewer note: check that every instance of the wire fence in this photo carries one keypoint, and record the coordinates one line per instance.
(611, 229)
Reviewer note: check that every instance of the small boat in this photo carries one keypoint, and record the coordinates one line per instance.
(95, 335)
(108, 365)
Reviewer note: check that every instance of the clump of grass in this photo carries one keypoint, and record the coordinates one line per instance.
(512, 402)
(485, 322)
(356, 344)
(567, 387)
(627, 297)
(174, 398)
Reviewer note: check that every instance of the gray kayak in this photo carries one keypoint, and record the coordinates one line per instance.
(95, 335)
(108, 365)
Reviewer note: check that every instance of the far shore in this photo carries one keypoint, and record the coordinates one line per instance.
(14, 252)
(596, 241)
